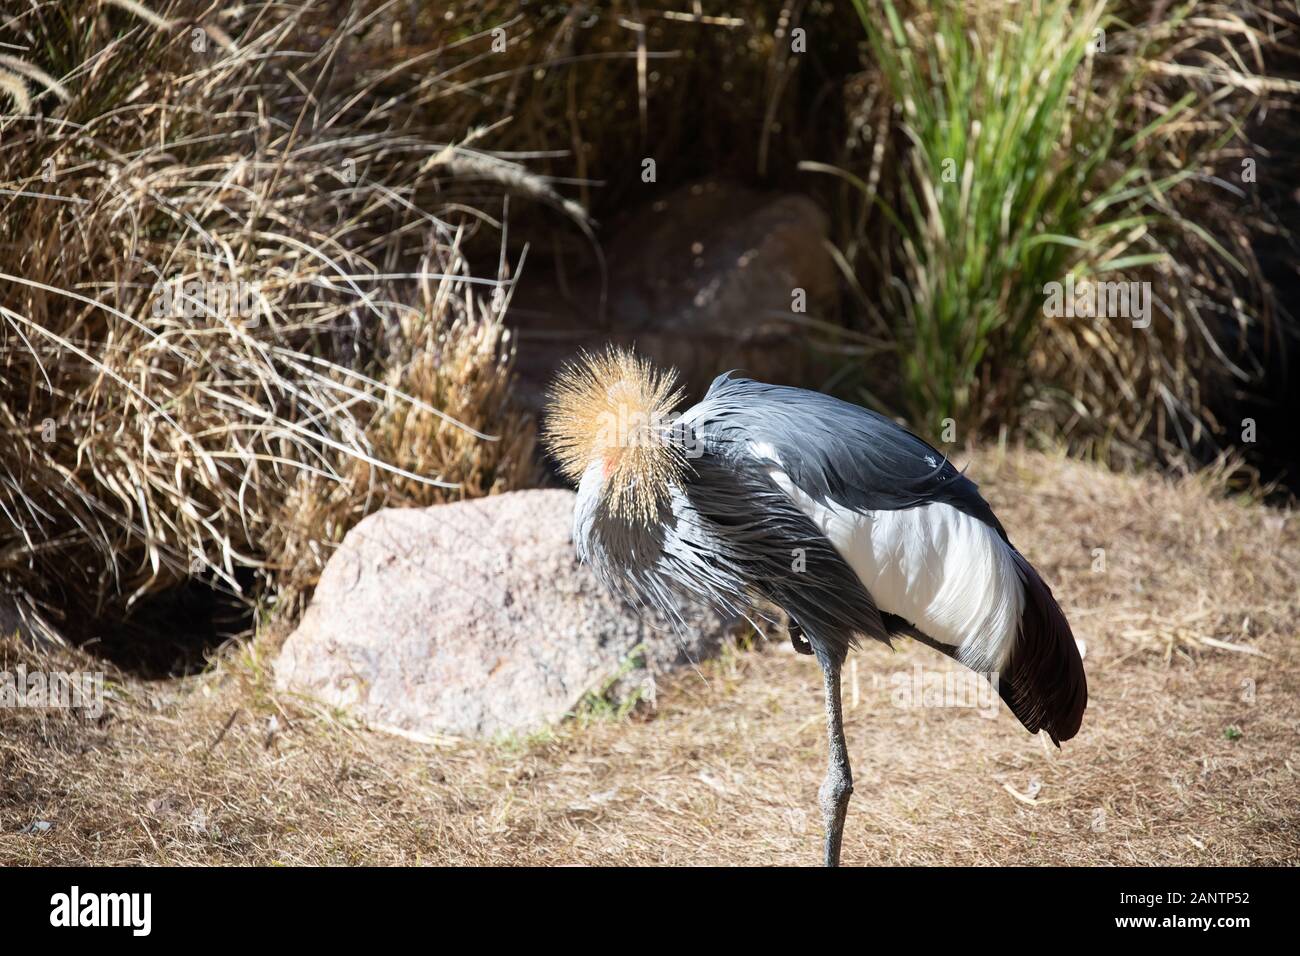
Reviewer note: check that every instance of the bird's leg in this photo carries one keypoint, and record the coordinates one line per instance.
(838, 785)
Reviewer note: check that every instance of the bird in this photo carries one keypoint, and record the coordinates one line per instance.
(775, 503)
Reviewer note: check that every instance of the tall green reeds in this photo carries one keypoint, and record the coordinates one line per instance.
(1019, 171)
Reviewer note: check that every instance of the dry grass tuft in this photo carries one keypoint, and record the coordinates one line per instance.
(236, 311)
(1187, 754)
(1201, 82)
(454, 379)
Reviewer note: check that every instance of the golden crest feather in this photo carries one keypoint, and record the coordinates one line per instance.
(615, 407)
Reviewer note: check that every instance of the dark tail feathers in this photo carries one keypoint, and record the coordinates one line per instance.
(1043, 681)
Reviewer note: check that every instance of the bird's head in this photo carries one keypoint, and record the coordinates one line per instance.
(610, 420)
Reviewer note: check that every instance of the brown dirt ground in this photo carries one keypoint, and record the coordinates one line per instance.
(1177, 763)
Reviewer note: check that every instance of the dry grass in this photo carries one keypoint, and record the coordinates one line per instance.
(1175, 763)
(1203, 83)
(162, 424)
(351, 160)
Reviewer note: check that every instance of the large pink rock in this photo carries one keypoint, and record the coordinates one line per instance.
(474, 619)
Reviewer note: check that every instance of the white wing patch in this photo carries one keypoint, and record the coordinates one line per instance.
(949, 574)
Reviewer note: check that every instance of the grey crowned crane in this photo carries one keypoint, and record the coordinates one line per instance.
(763, 497)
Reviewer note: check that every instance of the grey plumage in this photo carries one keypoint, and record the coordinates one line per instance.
(763, 477)
(731, 539)
(841, 452)
(832, 449)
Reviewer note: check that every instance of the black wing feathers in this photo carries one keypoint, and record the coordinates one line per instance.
(783, 555)
(1043, 683)
(833, 449)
